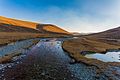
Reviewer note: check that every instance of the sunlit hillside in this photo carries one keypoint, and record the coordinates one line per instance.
(51, 29)
(111, 34)
(56, 29)
(13, 30)
(47, 28)
(17, 22)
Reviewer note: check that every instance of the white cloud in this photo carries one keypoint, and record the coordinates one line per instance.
(70, 20)
(108, 17)
(104, 17)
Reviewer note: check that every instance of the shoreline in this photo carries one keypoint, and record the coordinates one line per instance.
(80, 58)
(6, 58)
(102, 67)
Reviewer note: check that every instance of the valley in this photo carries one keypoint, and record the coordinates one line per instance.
(30, 50)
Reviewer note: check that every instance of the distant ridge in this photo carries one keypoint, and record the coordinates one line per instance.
(14, 23)
(13, 28)
(50, 28)
(18, 22)
(111, 33)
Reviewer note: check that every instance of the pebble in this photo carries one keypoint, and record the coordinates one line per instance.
(17, 62)
(3, 71)
(2, 75)
(9, 66)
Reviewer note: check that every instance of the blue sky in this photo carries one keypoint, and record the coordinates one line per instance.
(72, 15)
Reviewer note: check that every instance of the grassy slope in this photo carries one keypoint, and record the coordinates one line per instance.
(6, 38)
(46, 27)
(12, 30)
(18, 22)
(111, 34)
(51, 29)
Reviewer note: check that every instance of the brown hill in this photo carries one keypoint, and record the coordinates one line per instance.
(49, 28)
(112, 34)
(13, 28)
(46, 28)
(17, 22)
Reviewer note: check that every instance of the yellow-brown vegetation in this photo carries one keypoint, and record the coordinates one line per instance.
(8, 37)
(18, 22)
(55, 29)
(76, 46)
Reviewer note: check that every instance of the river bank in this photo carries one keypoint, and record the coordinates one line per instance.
(11, 37)
(47, 57)
(47, 61)
(14, 49)
(74, 47)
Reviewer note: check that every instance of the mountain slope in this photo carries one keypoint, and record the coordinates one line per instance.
(13, 28)
(18, 22)
(46, 28)
(112, 34)
(49, 28)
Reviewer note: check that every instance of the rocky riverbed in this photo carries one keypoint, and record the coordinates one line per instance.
(77, 50)
(47, 61)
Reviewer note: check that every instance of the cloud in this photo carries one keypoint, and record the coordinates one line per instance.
(103, 18)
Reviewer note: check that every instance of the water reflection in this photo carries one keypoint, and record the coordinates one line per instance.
(108, 57)
(15, 46)
(50, 53)
(48, 61)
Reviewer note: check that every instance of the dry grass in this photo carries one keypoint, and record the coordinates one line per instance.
(8, 37)
(18, 22)
(88, 44)
(76, 46)
(32, 25)
(55, 29)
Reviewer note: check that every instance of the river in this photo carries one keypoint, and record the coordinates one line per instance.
(47, 61)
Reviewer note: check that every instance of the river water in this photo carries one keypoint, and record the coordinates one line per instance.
(15, 46)
(47, 61)
(107, 57)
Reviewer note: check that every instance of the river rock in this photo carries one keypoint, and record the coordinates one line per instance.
(72, 61)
